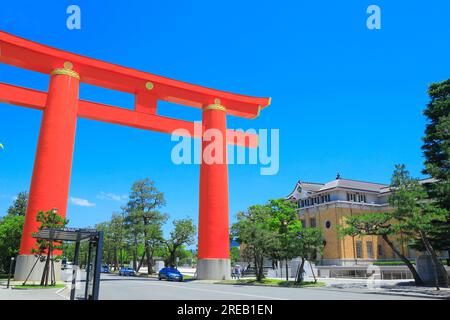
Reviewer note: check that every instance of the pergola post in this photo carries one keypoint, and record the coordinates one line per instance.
(213, 235)
(52, 167)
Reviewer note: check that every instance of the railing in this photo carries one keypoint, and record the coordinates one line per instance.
(364, 273)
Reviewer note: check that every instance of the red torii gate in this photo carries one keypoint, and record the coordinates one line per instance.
(61, 106)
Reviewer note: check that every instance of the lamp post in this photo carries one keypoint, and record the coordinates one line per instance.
(11, 263)
(284, 224)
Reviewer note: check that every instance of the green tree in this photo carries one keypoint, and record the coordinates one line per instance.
(117, 239)
(144, 217)
(295, 241)
(285, 223)
(377, 224)
(256, 236)
(416, 215)
(108, 243)
(235, 255)
(44, 248)
(413, 216)
(10, 234)
(307, 244)
(436, 149)
(183, 234)
(19, 206)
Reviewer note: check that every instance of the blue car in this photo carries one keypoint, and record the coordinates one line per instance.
(104, 269)
(170, 274)
(124, 271)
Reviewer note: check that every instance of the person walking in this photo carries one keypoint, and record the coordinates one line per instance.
(237, 271)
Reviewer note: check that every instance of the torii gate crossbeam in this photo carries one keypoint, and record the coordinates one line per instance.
(61, 107)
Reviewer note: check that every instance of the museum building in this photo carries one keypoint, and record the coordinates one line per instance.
(326, 206)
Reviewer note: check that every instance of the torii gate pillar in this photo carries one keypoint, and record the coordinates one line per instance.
(213, 236)
(52, 167)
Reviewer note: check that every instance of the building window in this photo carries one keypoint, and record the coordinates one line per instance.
(328, 198)
(328, 224)
(358, 249)
(312, 222)
(380, 250)
(356, 197)
(362, 198)
(369, 249)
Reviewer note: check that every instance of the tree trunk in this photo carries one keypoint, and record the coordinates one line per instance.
(141, 261)
(134, 261)
(135, 254)
(287, 270)
(417, 279)
(259, 275)
(44, 278)
(299, 277)
(149, 259)
(441, 276)
(116, 259)
(172, 259)
(312, 271)
(260, 268)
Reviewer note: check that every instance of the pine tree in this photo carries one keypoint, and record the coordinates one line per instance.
(19, 206)
(44, 248)
(436, 149)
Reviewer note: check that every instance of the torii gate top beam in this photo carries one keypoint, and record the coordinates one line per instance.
(30, 55)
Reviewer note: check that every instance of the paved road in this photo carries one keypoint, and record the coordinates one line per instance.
(127, 288)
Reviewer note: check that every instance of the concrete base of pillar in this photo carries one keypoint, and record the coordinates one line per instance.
(24, 264)
(214, 269)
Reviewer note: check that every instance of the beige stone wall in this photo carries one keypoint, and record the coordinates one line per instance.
(345, 247)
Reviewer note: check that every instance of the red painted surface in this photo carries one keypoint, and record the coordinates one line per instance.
(37, 57)
(96, 111)
(52, 166)
(213, 236)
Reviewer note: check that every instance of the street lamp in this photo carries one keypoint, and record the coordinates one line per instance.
(10, 271)
(284, 224)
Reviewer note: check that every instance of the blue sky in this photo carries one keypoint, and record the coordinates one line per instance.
(345, 98)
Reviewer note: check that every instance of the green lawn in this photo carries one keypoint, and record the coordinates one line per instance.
(273, 283)
(36, 286)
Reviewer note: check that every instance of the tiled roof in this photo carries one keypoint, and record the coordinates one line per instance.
(353, 184)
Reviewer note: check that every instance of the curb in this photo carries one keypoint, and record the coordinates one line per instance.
(401, 294)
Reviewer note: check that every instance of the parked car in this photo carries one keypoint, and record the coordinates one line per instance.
(104, 269)
(170, 274)
(125, 271)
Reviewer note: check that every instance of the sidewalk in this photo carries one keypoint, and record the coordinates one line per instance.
(389, 287)
(34, 294)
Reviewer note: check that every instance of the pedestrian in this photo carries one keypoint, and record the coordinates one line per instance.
(237, 271)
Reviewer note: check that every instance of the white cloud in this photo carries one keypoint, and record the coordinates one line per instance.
(112, 196)
(81, 202)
